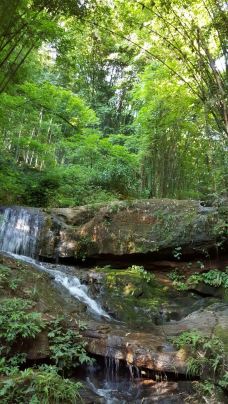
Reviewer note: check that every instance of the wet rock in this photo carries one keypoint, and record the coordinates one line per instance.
(151, 350)
(140, 298)
(39, 348)
(90, 397)
(206, 290)
(162, 392)
(143, 350)
(206, 320)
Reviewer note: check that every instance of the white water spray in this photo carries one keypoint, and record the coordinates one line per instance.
(19, 231)
(79, 291)
(71, 283)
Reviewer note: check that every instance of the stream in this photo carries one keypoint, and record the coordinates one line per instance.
(111, 380)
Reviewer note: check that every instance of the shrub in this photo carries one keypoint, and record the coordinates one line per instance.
(17, 322)
(67, 348)
(43, 385)
(214, 278)
(206, 355)
(6, 279)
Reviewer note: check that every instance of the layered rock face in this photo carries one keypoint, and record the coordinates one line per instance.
(151, 350)
(126, 228)
(143, 350)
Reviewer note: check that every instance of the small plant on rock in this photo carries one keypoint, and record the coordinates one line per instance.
(6, 279)
(206, 358)
(178, 280)
(214, 278)
(177, 253)
(147, 276)
(67, 347)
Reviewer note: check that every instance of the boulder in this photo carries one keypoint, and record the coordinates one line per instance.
(129, 228)
(212, 320)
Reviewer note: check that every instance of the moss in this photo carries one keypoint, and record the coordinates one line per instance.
(131, 297)
(174, 225)
(83, 245)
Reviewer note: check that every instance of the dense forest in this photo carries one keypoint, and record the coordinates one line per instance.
(103, 100)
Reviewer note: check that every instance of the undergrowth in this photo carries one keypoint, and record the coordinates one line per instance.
(43, 384)
(206, 359)
(35, 386)
(214, 278)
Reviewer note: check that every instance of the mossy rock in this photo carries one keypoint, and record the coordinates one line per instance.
(139, 299)
(131, 227)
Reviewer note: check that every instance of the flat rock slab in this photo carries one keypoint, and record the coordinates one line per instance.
(144, 350)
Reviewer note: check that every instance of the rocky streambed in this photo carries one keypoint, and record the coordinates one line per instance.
(131, 314)
(131, 338)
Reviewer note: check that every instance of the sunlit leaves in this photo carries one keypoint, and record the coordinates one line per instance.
(60, 102)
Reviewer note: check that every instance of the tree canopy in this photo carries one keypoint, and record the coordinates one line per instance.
(104, 100)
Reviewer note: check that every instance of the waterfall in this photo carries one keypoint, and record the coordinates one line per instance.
(19, 235)
(112, 359)
(19, 230)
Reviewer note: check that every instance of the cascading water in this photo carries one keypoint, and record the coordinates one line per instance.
(19, 234)
(71, 283)
(79, 291)
(19, 230)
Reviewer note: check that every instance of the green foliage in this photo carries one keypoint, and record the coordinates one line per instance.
(204, 388)
(214, 278)
(177, 252)
(62, 103)
(178, 280)
(206, 354)
(94, 171)
(121, 120)
(67, 347)
(17, 322)
(223, 381)
(143, 274)
(172, 142)
(189, 338)
(10, 365)
(6, 279)
(55, 158)
(206, 359)
(43, 385)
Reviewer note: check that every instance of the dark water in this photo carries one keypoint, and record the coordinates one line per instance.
(114, 383)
